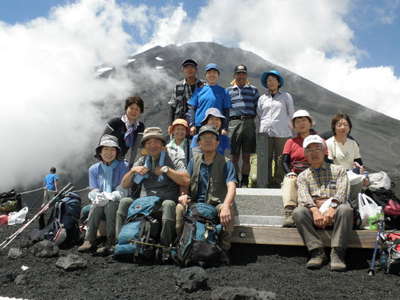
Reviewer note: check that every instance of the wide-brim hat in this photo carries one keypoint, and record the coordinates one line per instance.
(153, 133)
(108, 140)
(303, 113)
(265, 75)
(177, 122)
(215, 112)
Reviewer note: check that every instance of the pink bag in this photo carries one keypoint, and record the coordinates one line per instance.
(392, 208)
(3, 219)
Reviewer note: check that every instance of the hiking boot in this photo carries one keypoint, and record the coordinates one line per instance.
(337, 259)
(165, 255)
(288, 221)
(86, 247)
(104, 251)
(318, 258)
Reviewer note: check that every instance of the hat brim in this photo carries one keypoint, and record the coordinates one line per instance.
(265, 75)
(153, 136)
(209, 131)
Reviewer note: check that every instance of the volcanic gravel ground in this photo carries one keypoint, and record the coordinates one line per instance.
(270, 268)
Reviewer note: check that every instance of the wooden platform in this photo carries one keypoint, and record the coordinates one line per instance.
(274, 235)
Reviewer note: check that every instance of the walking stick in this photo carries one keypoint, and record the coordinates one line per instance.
(69, 187)
(380, 232)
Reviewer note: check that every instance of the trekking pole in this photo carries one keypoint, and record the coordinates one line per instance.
(148, 244)
(381, 228)
(44, 208)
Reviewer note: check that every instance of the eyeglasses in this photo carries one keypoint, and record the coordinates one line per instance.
(312, 150)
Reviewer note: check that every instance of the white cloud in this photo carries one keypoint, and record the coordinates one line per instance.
(48, 88)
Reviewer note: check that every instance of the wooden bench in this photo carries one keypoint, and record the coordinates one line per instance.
(274, 235)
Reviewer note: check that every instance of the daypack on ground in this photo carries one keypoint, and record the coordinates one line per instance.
(10, 201)
(141, 226)
(198, 243)
(62, 226)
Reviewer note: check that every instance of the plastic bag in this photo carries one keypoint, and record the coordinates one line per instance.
(354, 178)
(17, 217)
(367, 208)
(379, 180)
(325, 206)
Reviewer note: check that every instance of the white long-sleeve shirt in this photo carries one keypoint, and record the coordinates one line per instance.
(275, 114)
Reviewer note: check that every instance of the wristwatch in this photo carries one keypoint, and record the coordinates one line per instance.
(334, 204)
(164, 169)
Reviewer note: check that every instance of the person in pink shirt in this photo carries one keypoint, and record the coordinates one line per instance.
(294, 162)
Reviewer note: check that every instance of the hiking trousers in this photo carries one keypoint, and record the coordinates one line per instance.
(342, 226)
(289, 191)
(99, 213)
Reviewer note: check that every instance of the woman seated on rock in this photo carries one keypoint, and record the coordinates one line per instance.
(343, 151)
(214, 117)
(104, 180)
(294, 162)
(179, 143)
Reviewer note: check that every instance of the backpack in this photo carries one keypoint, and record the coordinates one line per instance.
(10, 201)
(140, 226)
(198, 243)
(62, 226)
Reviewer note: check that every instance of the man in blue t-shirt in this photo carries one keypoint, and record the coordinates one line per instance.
(213, 181)
(210, 95)
(50, 185)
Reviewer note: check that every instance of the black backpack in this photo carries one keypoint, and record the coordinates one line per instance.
(198, 244)
(62, 227)
(10, 201)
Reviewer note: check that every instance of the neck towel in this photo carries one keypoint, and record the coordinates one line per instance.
(129, 136)
(108, 175)
(147, 163)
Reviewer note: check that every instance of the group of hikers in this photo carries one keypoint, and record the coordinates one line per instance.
(206, 156)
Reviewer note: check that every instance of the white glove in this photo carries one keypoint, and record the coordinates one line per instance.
(93, 194)
(100, 200)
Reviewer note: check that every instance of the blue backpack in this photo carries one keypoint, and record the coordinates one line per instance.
(198, 243)
(142, 227)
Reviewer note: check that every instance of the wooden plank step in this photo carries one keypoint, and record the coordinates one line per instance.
(273, 235)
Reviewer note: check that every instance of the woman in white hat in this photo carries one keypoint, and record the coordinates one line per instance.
(294, 162)
(105, 177)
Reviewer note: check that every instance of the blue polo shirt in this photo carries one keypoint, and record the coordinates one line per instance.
(204, 176)
(224, 143)
(206, 97)
(49, 181)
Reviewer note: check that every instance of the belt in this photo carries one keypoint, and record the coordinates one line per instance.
(242, 117)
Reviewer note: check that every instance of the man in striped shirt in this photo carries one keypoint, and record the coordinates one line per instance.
(242, 130)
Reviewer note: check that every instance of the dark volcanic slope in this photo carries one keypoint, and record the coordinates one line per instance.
(375, 132)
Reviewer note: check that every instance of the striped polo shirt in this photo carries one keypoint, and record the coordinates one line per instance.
(244, 100)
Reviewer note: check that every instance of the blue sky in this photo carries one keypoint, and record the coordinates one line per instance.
(376, 32)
